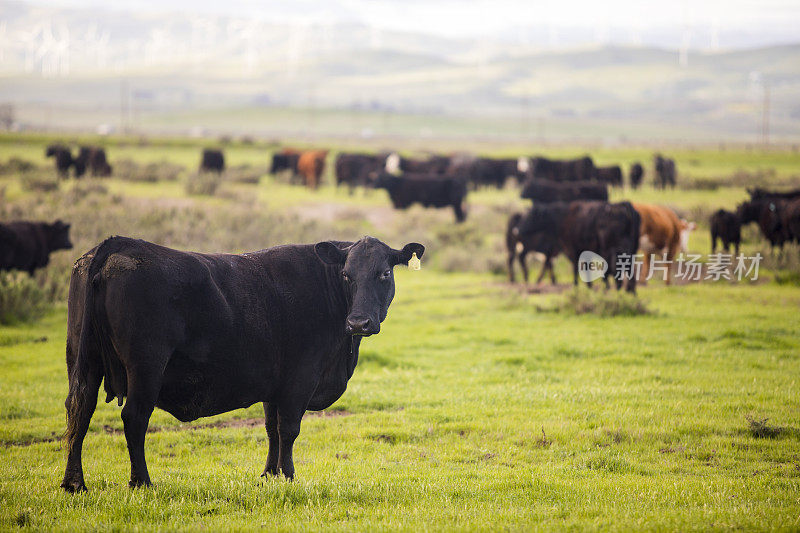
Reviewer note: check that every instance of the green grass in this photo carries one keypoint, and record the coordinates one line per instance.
(478, 406)
(645, 421)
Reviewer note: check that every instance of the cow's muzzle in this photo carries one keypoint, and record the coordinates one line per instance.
(362, 326)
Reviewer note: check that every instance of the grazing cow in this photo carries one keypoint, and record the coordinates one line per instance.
(27, 245)
(63, 159)
(486, 172)
(636, 175)
(354, 170)
(665, 171)
(766, 212)
(537, 231)
(609, 175)
(727, 227)
(790, 219)
(426, 190)
(93, 159)
(581, 169)
(435, 164)
(546, 191)
(213, 160)
(201, 334)
(310, 166)
(286, 160)
(660, 233)
(609, 230)
(761, 194)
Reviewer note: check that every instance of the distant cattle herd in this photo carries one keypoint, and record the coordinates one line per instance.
(554, 224)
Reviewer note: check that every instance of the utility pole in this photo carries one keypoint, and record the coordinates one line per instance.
(123, 105)
(765, 115)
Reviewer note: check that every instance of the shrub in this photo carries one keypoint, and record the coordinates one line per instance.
(245, 174)
(760, 429)
(21, 298)
(16, 165)
(38, 182)
(129, 170)
(203, 183)
(602, 303)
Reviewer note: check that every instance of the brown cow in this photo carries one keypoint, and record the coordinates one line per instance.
(660, 232)
(310, 167)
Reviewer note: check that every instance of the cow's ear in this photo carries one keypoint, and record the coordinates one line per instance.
(329, 253)
(408, 250)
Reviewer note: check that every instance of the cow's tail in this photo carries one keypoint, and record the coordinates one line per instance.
(96, 355)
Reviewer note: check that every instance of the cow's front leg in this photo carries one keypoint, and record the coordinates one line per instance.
(289, 418)
(271, 423)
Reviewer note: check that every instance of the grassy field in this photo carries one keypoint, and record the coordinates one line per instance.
(479, 405)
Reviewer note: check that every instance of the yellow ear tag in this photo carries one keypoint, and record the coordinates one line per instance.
(414, 263)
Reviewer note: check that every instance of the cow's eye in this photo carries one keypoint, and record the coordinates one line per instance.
(345, 276)
(386, 274)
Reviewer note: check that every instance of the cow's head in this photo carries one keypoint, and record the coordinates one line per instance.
(749, 211)
(382, 180)
(368, 279)
(58, 236)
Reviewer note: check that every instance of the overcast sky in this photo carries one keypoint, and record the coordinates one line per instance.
(463, 18)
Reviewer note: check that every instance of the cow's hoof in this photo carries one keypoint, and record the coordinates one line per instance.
(270, 471)
(73, 486)
(139, 483)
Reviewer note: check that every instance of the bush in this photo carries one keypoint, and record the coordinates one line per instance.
(15, 165)
(38, 182)
(203, 183)
(21, 298)
(760, 429)
(245, 174)
(129, 170)
(602, 303)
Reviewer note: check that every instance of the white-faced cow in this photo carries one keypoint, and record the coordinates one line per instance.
(201, 334)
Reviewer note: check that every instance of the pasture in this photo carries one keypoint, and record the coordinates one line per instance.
(480, 405)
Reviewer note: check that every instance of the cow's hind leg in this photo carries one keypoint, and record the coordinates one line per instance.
(512, 254)
(271, 423)
(143, 389)
(523, 264)
(80, 404)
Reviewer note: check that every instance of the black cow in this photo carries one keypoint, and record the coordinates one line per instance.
(202, 334)
(27, 245)
(611, 175)
(581, 169)
(425, 189)
(484, 171)
(284, 161)
(93, 159)
(766, 212)
(63, 159)
(761, 194)
(727, 227)
(435, 164)
(790, 219)
(636, 175)
(213, 160)
(546, 191)
(354, 170)
(539, 231)
(665, 171)
(609, 230)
